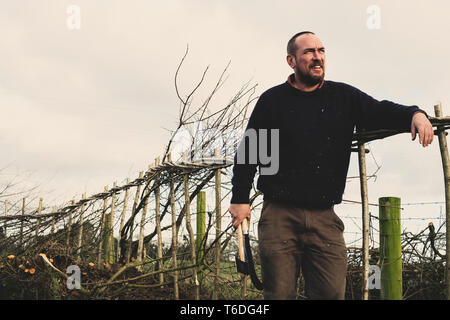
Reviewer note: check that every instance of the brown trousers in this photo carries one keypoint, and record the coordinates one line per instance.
(291, 239)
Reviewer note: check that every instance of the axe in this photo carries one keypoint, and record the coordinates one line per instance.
(244, 258)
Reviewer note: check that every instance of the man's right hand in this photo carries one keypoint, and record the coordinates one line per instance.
(239, 211)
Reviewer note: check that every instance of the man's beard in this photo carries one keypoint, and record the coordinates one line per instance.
(308, 79)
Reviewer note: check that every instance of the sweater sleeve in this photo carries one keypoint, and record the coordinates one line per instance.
(371, 114)
(246, 158)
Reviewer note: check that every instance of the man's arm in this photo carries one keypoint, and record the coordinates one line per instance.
(244, 173)
(372, 114)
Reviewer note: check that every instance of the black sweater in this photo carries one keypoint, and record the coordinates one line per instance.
(315, 136)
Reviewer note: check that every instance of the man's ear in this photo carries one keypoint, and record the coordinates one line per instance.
(290, 60)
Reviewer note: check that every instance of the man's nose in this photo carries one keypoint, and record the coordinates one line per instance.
(317, 55)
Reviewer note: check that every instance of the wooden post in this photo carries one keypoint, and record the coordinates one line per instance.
(102, 229)
(122, 221)
(365, 219)
(38, 222)
(141, 231)
(218, 183)
(201, 226)
(6, 214)
(69, 227)
(187, 204)
(158, 225)
(133, 211)
(106, 233)
(111, 226)
(174, 235)
(21, 223)
(80, 234)
(52, 231)
(390, 248)
(446, 168)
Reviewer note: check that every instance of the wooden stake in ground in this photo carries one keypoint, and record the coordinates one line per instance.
(187, 205)
(446, 167)
(122, 221)
(102, 229)
(158, 224)
(365, 219)
(52, 231)
(21, 223)
(390, 248)
(141, 231)
(6, 214)
(218, 182)
(133, 212)
(80, 234)
(111, 226)
(69, 228)
(174, 235)
(38, 222)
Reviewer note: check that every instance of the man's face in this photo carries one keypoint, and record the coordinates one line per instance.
(309, 60)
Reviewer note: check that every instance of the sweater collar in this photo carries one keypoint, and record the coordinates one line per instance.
(291, 81)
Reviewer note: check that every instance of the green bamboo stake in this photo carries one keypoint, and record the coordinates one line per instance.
(201, 213)
(390, 248)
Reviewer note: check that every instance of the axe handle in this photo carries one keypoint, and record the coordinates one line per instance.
(244, 224)
(240, 243)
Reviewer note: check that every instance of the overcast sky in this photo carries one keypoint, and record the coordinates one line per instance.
(82, 108)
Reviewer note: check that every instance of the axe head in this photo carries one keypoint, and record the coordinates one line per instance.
(241, 266)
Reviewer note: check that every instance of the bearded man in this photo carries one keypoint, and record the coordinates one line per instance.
(316, 118)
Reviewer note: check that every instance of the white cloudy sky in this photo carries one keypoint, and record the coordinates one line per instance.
(83, 108)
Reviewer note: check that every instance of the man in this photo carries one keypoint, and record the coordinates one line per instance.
(316, 118)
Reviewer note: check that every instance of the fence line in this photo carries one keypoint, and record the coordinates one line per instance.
(90, 227)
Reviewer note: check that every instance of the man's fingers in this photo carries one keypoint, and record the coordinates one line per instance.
(431, 134)
(422, 126)
(422, 136)
(413, 132)
(236, 221)
(426, 138)
(427, 135)
(238, 213)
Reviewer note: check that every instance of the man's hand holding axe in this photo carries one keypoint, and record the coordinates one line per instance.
(244, 261)
(239, 212)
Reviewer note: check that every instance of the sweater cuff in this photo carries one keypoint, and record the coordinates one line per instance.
(242, 197)
(419, 110)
